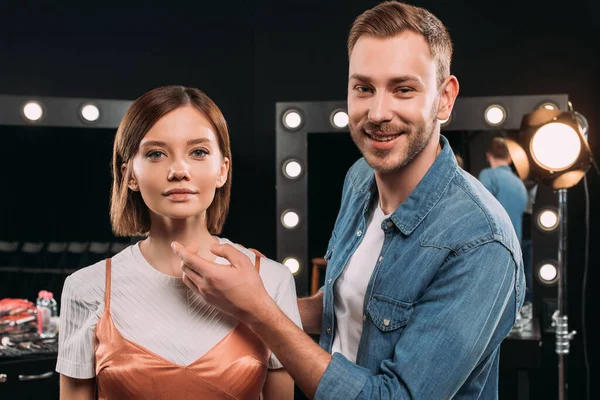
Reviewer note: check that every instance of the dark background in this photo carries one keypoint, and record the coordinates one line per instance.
(249, 55)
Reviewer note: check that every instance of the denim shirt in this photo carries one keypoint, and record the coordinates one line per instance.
(509, 190)
(444, 293)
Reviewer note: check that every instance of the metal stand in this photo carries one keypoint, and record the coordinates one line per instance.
(563, 336)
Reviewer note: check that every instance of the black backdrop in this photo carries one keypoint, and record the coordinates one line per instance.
(247, 55)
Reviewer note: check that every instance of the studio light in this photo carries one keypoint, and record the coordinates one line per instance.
(292, 119)
(495, 115)
(548, 273)
(339, 119)
(33, 111)
(550, 148)
(90, 113)
(292, 169)
(292, 264)
(290, 219)
(547, 220)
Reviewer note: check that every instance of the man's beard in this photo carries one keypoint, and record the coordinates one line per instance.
(417, 140)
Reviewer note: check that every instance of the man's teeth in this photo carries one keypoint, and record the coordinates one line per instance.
(383, 138)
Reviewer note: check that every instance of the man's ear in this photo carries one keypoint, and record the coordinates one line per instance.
(131, 182)
(447, 98)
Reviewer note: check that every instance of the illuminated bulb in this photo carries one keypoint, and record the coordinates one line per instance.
(548, 273)
(495, 115)
(555, 146)
(292, 264)
(292, 119)
(548, 220)
(90, 112)
(33, 111)
(290, 219)
(340, 119)
(292, 169)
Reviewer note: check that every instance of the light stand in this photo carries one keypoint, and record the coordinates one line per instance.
(551, 148)
(563, 336)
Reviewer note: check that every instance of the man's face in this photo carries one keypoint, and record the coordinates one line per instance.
(393, 99)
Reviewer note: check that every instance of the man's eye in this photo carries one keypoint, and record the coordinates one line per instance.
(362, 89)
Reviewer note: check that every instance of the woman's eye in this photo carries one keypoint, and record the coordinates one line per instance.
(199, 153)
(154, 154)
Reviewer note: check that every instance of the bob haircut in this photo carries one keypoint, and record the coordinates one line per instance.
(129, 215)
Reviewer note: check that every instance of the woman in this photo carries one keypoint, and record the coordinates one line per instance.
(129, 325)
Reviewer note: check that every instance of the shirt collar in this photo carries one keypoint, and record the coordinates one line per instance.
(428, 192)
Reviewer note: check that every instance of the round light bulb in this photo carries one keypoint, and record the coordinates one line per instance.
(548, 220)
(33, 111)
(90, 112)
(549, 106)
(292, 119)
(340, 119)
(555, 146)
(548, 273)
(290, 219)
(292, 169)
(495, 115)
(292, 264)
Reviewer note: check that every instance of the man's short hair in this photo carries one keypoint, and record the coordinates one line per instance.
(391, 18)
(498, 149)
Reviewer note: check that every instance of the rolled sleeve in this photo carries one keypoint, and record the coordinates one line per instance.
(342, 380)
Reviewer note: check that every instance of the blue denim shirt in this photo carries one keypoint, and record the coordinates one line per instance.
(444, 293)
(509, 190)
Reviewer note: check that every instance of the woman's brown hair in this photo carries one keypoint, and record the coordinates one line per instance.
(129, 215)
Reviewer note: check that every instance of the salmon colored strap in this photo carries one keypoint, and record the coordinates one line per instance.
(258, 256)
(107, 285)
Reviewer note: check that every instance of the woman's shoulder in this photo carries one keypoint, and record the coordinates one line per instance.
(90, 281)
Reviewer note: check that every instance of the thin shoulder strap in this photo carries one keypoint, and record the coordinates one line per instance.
(107, 285)
(257, 262)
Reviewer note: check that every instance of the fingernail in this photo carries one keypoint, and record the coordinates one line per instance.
(173, 245)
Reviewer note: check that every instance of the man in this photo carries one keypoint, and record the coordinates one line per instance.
(424, 278)
(502, 182)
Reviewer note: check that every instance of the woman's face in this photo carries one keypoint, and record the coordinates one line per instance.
(179, 165)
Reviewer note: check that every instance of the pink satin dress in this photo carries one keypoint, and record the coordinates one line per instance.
(235, 368)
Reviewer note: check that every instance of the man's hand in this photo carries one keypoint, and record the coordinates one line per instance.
(235, 289)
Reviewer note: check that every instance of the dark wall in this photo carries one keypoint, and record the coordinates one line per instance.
(249, 55)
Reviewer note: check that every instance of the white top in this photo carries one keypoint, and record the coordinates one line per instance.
(155, 310)
(350, 288)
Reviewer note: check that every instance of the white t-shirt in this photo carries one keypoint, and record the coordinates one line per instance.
(350, 288)
(154, 310)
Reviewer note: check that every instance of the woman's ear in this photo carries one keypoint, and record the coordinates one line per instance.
(223, 173)
(131, 182)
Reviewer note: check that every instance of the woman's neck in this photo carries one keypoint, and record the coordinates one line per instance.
(156, 248)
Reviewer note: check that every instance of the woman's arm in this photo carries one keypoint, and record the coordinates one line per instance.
(311, 312)
(279, 385)
(77, 389)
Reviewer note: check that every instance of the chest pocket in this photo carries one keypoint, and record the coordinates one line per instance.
(389, 314)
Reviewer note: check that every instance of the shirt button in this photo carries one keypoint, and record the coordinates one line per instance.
(328, 330)
(330, 280)
(386, 322)
(364, 317)
(359, 233)
(380, 258)
(390, 224)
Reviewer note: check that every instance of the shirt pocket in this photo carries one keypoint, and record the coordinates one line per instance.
(389, 314)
